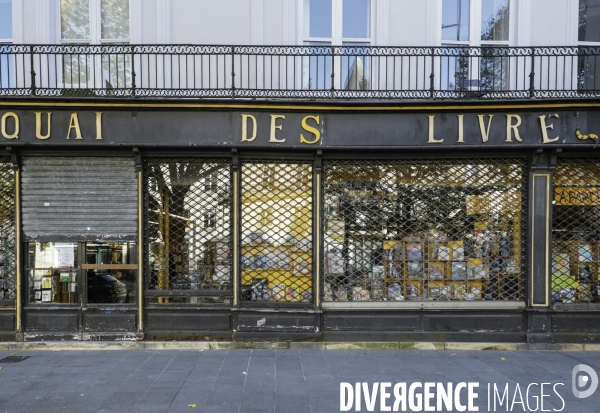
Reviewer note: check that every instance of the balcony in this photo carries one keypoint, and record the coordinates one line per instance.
(299, 72)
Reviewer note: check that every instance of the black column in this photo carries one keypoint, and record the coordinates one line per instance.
(539, 322)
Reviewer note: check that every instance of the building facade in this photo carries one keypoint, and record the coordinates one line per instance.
(384, 170)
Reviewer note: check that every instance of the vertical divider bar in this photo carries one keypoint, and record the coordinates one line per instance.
(18, 275)
(236, 228)
(317, 228)
(140, 244)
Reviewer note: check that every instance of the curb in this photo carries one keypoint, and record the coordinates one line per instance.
(284, 345)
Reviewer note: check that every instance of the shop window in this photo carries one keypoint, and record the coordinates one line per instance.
(588, 77)
(7, 233)
(57, 273)
(53, 272)
(475, 23)
(104, 22)
(339, 23)
(576, 232)
(424, 230)
(188, 231)
(276, 233)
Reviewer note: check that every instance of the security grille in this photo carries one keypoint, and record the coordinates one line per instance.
(276, 238)
(7, 230)
(576, 231)
(188, 230)
(424, 230)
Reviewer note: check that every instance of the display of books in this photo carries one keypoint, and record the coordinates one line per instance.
(360, 294)
(222, 250)
(378, 271)
(412, 291)
(221, 273)
(457, 250)
(446, 292)
(335, 263)
(278, 292)
(476, 292)
(436, 271)
(415, 270)
(394, 270)
(459, 291)
(377, 288)
(476, 269)
(443, 253)
(395, 292)
(459, 271)
(434, 292)
(585, 253)
(560, 264)
(414, 251)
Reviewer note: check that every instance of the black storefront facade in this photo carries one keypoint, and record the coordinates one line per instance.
(228, 220)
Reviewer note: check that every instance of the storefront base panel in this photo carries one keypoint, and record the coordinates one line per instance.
(274, 336)
(7, 324)
(61, 321)
(109, 321)
(424, 337)
(425, 321)
(576, 322)
(188, 324)
(289, 324)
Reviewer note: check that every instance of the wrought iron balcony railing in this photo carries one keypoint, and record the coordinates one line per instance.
(298, 72)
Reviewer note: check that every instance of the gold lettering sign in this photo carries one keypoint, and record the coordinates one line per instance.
(513, 129)
(311, 129)
(74, 124)
(545, 138)
(485, 133)
(461, 128)
(99, 125)
(432, 132)
(38, 126)
(245, 118)
(274, 126)
(15, 134)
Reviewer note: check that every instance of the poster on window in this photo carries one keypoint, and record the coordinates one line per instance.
(65, 256)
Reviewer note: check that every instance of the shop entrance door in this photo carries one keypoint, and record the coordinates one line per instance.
(276, 257)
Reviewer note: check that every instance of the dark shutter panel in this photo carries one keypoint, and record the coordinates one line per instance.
(79, 198)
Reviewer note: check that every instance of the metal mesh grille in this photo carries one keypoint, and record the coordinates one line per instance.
(7, 230)
(276, 223)
(576, 231)
(188, 229)
(424, 230)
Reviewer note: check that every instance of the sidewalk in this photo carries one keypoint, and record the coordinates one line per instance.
(252, 381)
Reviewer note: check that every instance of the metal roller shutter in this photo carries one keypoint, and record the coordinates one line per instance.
(79, 198)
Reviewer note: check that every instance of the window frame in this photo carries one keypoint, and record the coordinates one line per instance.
(95, 26)
(337, 17)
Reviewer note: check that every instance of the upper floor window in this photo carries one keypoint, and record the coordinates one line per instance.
(588, 76)
(475, 23)
(94, 21)
(6, 21)
(589, 21)
(339, 23)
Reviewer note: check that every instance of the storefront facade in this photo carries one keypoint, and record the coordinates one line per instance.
(141, 220)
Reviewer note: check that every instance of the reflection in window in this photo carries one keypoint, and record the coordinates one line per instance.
(115, 19)
(356, 19)
(114, 285)
(455, 20)
(589, 21)
(5, 19)
(317, 18)
(75, 19)
(494, 20)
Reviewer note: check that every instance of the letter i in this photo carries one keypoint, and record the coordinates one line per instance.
(489, 397)
(357, 397)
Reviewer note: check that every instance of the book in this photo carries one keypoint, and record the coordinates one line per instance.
(378, 271)
(395, 292)
(413, 251)
(434, 292)
(436, 271)
(457, 250)
(459, 271)
(585, 253)
(335, 263)
(415, 270)
(459, 292)
(360, 294)
(443, 253)
(476, 291)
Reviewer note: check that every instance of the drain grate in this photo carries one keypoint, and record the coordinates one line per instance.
(13, 359)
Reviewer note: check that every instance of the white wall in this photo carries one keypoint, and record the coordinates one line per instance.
(549, 22)
(408, 23)
(210, 21)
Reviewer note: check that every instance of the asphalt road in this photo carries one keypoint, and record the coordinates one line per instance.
(295, 381)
